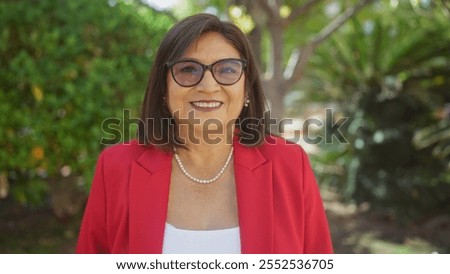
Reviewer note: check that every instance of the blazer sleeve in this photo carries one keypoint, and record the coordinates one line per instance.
(93, 233)
(317, 238)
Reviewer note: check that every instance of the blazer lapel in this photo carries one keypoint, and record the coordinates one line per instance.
(148, 199)
(253, 175)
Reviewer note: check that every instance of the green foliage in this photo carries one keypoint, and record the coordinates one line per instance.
(390, 72)
(65, 67)
(436, 136)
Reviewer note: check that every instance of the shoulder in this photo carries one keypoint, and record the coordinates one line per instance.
(121, 156)
(124, 151)
(285, 156)
(275, 147)
(116, 163)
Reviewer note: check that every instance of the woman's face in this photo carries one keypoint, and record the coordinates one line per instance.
(208, 99)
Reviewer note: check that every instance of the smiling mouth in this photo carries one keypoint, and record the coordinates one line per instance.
(206, 105)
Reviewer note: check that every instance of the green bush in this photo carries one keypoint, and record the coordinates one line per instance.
(65, 67)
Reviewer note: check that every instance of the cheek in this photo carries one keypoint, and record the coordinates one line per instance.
(173, 95)
(239, 95)
(236, 102)
(239, 101)
(173, 104)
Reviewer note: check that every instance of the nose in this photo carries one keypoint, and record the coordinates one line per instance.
(208, 83)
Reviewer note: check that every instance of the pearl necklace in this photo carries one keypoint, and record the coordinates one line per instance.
(203, 181)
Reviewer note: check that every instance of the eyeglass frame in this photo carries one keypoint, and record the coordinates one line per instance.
(209, 67)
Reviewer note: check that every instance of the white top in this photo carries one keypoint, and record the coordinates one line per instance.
(182, 241)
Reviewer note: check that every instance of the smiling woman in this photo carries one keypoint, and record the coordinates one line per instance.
(176, 190)
(192, 90)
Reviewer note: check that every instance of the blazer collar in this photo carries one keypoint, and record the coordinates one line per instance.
(154, 160)
(149, 191)
(254, 190)
(148, 199)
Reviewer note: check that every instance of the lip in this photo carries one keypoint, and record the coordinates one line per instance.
(206, 105)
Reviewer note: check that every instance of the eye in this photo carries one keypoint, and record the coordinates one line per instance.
(187, 68)
(228, 67)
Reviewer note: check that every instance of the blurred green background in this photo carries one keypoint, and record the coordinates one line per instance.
(66, 66)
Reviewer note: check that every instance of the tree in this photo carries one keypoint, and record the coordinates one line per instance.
(66, 67)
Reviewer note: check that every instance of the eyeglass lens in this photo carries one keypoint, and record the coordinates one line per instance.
(190, 73)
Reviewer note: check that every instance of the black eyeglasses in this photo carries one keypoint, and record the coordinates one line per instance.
(188, 73)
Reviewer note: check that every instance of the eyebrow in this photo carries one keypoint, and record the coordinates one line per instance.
(187, 59)
(198, 61)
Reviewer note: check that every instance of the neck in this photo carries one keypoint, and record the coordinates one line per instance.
(209, 165)
(199, 139)
(204, 155)
(206, 150)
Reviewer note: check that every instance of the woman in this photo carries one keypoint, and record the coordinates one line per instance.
(203, 176)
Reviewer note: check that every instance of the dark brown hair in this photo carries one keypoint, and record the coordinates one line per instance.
(158, 125)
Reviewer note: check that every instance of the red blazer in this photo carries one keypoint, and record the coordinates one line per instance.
(279, 205)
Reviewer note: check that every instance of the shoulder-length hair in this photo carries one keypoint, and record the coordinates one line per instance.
(157, 125)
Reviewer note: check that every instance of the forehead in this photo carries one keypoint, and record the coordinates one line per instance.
(210, 47)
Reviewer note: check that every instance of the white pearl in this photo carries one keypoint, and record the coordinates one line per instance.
(203, 181)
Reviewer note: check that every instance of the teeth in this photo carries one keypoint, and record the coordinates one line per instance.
(207, 104)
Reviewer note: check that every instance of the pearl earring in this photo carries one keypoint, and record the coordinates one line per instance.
(246, 102)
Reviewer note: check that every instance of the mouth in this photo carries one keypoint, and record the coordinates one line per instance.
(206, 105)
